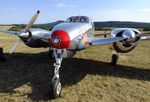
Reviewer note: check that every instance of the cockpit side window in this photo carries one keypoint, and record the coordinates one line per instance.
(69, 20)
(82, 19)
(76, 19)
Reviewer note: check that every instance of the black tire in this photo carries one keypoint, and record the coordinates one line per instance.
(1, 51)
(114, 59)
(56, 88)
(2, 58)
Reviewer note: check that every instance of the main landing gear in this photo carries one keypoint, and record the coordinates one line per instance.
(2, 58)
(114, 59)
(56, 84)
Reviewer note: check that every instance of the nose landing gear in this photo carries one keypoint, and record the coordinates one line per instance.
(57, 87)
(56, 84)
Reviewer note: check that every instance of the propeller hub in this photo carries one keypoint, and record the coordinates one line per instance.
(129, 35)
(23, 35)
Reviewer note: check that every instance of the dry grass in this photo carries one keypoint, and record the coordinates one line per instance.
(5, 27)
(88, 77)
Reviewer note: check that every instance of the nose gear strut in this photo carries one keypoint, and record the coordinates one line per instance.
(56, 84)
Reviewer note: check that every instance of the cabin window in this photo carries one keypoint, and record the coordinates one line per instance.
(82, 19)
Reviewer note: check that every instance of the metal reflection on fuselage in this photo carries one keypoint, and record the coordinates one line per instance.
(78, 32)
(38, 38)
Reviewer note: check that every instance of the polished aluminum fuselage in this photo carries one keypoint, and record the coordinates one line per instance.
(78, 32)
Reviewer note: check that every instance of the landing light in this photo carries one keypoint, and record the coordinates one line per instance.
(56, 40)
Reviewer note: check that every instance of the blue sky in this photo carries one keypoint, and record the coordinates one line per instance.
(21, 11)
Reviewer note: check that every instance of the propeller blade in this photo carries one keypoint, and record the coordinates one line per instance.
(15, 46)
(31, 21)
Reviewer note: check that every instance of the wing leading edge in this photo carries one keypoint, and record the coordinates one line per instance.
(145, 38)
(9, 32)
(97, 41)
(101, 41)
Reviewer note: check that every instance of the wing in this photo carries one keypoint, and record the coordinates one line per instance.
(145, 37)
(100, 41)
(108, 40)
(9, 32)
(145, 32)
(142, 34)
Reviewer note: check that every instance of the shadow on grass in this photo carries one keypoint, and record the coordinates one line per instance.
(37, 71)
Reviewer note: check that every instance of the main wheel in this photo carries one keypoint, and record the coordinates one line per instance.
(1, 51)
(2, 58)
(114, 59)
(56, 86)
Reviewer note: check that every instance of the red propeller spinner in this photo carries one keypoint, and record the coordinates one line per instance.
(60, 39)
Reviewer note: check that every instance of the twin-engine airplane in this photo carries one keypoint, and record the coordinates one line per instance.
(76, 34)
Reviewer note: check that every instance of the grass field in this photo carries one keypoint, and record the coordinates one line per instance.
(5, 27)
(88, 77)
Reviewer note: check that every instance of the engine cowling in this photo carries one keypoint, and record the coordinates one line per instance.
(35, 37)
(131, 38)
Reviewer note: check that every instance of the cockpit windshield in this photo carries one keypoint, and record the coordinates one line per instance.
(81, 19)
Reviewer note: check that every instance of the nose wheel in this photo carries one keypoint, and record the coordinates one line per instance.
(57, 87)
(56, 84)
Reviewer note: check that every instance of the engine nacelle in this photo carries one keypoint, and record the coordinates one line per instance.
(36, 38)
(129, 43)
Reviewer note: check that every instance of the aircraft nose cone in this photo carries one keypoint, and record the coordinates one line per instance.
(60, 39)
